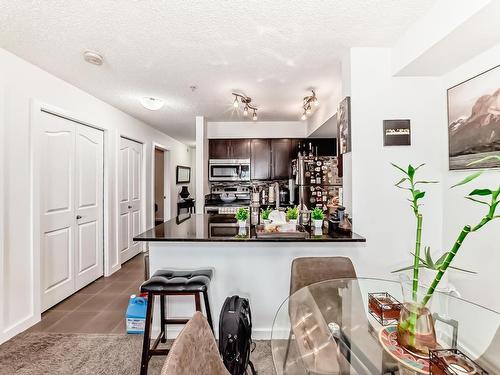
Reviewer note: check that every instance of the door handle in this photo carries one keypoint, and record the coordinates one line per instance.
(78, 217)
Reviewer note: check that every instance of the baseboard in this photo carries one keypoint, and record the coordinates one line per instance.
(19, 328)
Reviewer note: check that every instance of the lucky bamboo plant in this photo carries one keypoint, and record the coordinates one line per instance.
(410, 183)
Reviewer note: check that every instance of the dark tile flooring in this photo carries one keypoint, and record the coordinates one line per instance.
(99, 307)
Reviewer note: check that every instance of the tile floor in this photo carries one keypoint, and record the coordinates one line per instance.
(98, 308)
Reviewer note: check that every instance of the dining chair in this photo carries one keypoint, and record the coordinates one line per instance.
(311, 270)
(194, 351)
(304, 272)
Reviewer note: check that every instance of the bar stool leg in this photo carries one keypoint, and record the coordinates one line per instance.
(207, 308)
(197, 302)
(147, 335)
(163, 319)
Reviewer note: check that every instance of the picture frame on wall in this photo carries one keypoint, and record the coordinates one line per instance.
(397, 132)
(344, 126)
(183, 175)
(474, 121)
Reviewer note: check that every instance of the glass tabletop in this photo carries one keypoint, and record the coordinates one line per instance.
(326, 328)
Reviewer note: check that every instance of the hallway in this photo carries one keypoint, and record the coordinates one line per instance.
(99, 307)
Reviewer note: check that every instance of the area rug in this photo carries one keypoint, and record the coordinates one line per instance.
(92, 354)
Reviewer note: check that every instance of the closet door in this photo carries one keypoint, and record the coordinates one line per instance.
(130, 193)
(89, 205)
(71, 170)
(57, 224)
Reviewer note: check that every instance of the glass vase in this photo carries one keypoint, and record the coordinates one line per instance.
(415, 329)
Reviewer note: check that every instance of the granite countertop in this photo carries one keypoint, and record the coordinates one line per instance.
(216, 228)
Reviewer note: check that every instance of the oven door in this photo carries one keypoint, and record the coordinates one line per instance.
(221, 231)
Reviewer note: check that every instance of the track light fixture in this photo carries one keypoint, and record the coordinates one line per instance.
(246, 100)
(307, 104)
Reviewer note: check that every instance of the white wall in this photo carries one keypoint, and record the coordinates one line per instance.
(23, 84)
(380, 211)
(481, 250)
(257, 129)
(201, 163)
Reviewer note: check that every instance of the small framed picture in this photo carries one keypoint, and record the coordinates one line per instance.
(183, 175)
(397, 133)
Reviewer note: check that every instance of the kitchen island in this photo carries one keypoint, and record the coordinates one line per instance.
(243, 264)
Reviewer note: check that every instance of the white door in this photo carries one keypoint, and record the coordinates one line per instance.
(71, 249)
(130, 223)
(89, 205)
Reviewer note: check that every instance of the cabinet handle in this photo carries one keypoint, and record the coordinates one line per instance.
(78, 217)
(129, 207)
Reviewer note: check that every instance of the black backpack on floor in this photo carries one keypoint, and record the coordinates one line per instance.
(235, 335)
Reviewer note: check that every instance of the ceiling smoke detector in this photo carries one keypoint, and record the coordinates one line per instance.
(93, 58)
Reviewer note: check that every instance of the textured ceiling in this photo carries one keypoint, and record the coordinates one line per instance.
(271, 50)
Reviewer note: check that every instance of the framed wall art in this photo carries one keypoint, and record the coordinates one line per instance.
(183, 175)
(344, 126)
(397, 133)
(474, 121)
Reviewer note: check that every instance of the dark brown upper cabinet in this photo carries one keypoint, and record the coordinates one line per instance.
(260, 161)
(240, 149)
(229, 149)
(281, 156)
(218, 148)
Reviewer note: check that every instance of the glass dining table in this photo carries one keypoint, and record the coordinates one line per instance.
(327, 328)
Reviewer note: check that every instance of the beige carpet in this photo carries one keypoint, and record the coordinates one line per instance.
(93, 354)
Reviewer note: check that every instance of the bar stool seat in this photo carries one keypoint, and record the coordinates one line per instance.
(178, 281)
(165, 283)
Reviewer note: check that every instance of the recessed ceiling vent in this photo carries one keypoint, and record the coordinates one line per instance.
(93, 58)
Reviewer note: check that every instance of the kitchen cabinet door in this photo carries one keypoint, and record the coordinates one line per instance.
(219, 149)
(260, 159)
(281, 158)
(240, 148)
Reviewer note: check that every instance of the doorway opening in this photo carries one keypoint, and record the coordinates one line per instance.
(161, 189)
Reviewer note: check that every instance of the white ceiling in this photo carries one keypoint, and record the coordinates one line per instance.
(271, 50)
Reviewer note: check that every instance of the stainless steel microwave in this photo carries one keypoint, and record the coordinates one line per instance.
(229, 170)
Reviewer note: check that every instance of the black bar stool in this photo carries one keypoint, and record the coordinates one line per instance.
(171, 283)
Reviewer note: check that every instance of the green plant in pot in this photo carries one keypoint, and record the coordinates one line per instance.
(292, 214)
(264, 215)
(415, 328)
(317, 215)
(242, 216)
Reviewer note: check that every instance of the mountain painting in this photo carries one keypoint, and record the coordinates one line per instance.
(474, 121)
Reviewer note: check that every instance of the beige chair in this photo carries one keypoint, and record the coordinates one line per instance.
(194, 351)
(313, 341)
(311, 270)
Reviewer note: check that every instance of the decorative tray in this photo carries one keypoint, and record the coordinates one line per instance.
(280, 231)
(388, 339)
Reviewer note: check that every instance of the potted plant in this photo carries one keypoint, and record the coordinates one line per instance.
(264, 215)
(317, 216)
(242, 216)
(415, 329)
(292, 214)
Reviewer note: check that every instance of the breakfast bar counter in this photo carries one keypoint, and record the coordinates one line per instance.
(215, 228)
(251, 267)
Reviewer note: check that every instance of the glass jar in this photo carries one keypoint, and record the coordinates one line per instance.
(415, 329)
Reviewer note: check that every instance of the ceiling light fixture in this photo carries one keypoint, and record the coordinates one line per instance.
(246, 100)
(306, 104)
(153, 104)
(93, 58)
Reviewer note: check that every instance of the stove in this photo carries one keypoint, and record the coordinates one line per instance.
(236, 195)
